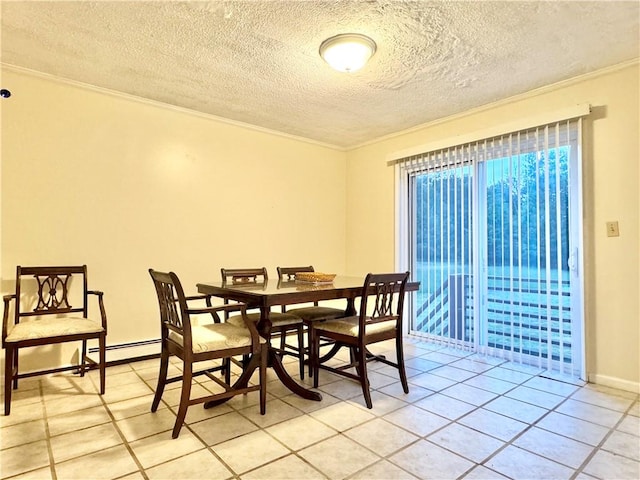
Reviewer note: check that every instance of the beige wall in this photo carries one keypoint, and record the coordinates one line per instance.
(611, 179)
(122, 185)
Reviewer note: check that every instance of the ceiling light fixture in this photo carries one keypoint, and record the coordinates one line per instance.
(347, 52)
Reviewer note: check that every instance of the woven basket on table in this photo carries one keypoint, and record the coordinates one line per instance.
(315, 277)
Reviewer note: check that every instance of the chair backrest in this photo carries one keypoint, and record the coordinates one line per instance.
(173, 306)
(249, 277)
(286, 274)
(58, 290)
(383, 300)
(244, 275)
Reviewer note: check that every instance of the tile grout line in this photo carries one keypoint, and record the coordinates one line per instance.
(292, 451)
(125, 442)
(530, 425)
(211, 449)
(477, 408)
(598, 448)
(188, 427)
(419, 437)
(455, 421)
(47, 432)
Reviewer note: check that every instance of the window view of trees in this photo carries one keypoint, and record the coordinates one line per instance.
(444, 216)
(523, 214)
(521, 194)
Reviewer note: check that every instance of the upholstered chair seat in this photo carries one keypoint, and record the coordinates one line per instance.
(216, 336)
(316, 313)
(52, 327)
(351, 326)
(277, 319)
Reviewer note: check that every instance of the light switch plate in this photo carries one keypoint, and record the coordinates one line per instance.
(612, 229)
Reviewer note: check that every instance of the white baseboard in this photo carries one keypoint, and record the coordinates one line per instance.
(614, 382)
(128, 351)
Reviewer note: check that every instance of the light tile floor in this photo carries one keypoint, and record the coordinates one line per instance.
(466, 416)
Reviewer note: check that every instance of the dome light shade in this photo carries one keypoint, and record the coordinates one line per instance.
(347, 52)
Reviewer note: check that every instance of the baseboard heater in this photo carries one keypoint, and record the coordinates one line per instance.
(129, 352)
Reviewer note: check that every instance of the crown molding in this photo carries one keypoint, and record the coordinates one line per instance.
(515, 98)
(166, 106)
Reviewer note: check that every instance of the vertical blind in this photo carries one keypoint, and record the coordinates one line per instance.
(492, 240)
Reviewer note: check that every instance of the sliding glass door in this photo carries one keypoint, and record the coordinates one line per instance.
(495, 237)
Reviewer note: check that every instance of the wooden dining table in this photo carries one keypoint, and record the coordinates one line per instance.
(274, 293)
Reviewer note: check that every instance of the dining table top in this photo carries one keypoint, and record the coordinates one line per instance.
(279, 292)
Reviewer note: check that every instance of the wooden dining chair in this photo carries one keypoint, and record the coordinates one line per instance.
(379, 319)
(308, 314)
(196, 342)
(281, 323)
(57, 312)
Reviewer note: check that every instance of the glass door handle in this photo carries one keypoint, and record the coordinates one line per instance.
(572, 261)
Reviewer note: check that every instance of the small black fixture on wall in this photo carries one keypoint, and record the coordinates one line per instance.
(4, 93)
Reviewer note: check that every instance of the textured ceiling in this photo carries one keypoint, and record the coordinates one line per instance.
(257, 62)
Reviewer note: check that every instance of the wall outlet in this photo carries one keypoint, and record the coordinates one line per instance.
(612, 229)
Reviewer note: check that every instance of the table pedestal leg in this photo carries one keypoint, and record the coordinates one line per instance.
(276, 362)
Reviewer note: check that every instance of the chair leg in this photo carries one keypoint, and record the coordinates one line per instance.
(102, 346)
(226, 366)
(315, 355)
(401, 369)
(301, 349)
(187, 375)
(364, 380)
(283, 342)
(83, 358)
(162, 378)
(353, 357)
(16, 369)
(263, 378)
(309, 350)
(8, 377)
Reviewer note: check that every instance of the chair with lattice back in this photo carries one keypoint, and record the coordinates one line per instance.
(215, 340)
(57, 312)
(379, 319)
